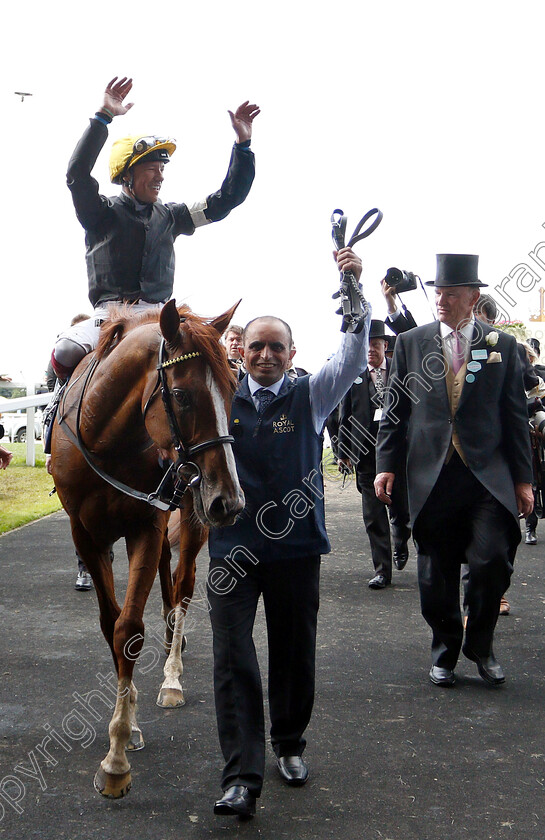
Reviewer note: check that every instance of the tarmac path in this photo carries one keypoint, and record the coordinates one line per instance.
(391, 756)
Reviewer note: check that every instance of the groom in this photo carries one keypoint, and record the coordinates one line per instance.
(456, 408)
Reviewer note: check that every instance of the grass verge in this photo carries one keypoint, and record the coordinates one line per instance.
(24, 491)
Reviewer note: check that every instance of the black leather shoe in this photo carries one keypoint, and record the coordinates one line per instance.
(293, 769)
(236, 801)
(400, 558)
(442, 676)
(378, 582)
(489, 669)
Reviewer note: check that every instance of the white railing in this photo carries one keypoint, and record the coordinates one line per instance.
(29, 402)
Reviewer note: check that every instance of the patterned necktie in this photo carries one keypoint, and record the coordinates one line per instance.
(265, 397)
(379, 385)
(457, 352)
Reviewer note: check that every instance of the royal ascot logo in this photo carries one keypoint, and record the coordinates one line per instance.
(283, 425)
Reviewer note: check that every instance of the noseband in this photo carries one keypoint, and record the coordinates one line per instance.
(181, 475)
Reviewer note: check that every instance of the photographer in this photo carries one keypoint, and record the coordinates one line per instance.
(361, 409)
(399, 320)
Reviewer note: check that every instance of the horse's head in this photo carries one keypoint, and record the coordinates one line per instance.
(198, 385)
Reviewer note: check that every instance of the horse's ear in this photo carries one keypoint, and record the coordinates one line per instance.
(222, 321)
(170, 322)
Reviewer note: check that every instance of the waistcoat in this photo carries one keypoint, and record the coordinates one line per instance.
(132, 255)
(278, 458)
(454, 390)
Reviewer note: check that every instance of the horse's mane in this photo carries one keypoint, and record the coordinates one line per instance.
(123, 320)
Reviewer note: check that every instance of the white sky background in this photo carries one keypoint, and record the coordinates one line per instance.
(432, 112)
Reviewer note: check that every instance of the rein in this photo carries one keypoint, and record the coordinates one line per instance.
(181, 475)
(354, 308)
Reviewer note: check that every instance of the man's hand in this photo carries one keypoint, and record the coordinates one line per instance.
(389, 295)
(525, 498)
(344, 466)
(115, 93)
(347, 261)
(384, 483)
(242, 120)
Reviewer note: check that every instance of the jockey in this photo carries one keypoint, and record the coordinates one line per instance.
(130, 237)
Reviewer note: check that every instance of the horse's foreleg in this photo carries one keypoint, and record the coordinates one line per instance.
(136, 739)
(167, 587)
(113, 778)
(171, 694)
(192, 537)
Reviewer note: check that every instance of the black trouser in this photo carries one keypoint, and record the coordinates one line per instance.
(290, 590)
(378, 518)
(462, 522)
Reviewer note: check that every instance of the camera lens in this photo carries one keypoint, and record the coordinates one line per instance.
(394, 276)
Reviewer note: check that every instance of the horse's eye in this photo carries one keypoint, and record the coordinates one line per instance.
(181, 397)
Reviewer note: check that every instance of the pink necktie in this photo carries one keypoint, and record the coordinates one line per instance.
(457, 353)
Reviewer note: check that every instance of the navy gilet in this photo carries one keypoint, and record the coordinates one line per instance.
(278, 458)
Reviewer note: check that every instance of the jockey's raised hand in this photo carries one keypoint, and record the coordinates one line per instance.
(115, 93)
(242, 120)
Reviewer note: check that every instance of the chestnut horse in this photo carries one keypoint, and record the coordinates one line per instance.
(157, 390)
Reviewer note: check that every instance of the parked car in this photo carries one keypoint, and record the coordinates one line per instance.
(14, 423)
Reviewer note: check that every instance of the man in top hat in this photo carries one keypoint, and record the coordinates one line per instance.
(360, 413)
(456, 409)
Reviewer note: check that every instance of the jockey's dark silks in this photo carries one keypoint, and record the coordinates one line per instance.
(130, 247)
(276, 456)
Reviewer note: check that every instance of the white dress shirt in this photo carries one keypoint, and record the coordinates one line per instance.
(465, 335)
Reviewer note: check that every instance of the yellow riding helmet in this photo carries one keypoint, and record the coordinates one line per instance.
(131, 150)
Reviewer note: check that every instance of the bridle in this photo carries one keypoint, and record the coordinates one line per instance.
(180, 475)
(183, 478)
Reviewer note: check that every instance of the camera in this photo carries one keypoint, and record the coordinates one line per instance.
(402, 281)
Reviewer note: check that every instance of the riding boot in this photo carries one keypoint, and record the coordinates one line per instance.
(50, 414)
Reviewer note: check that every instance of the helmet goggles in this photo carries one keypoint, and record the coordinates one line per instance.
(131, 150)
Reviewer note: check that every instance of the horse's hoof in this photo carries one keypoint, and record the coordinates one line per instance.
(136, 741)
(111, 785)
(170, 698)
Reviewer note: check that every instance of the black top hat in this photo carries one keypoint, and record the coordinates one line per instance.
(456, 270)
(378, 330)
